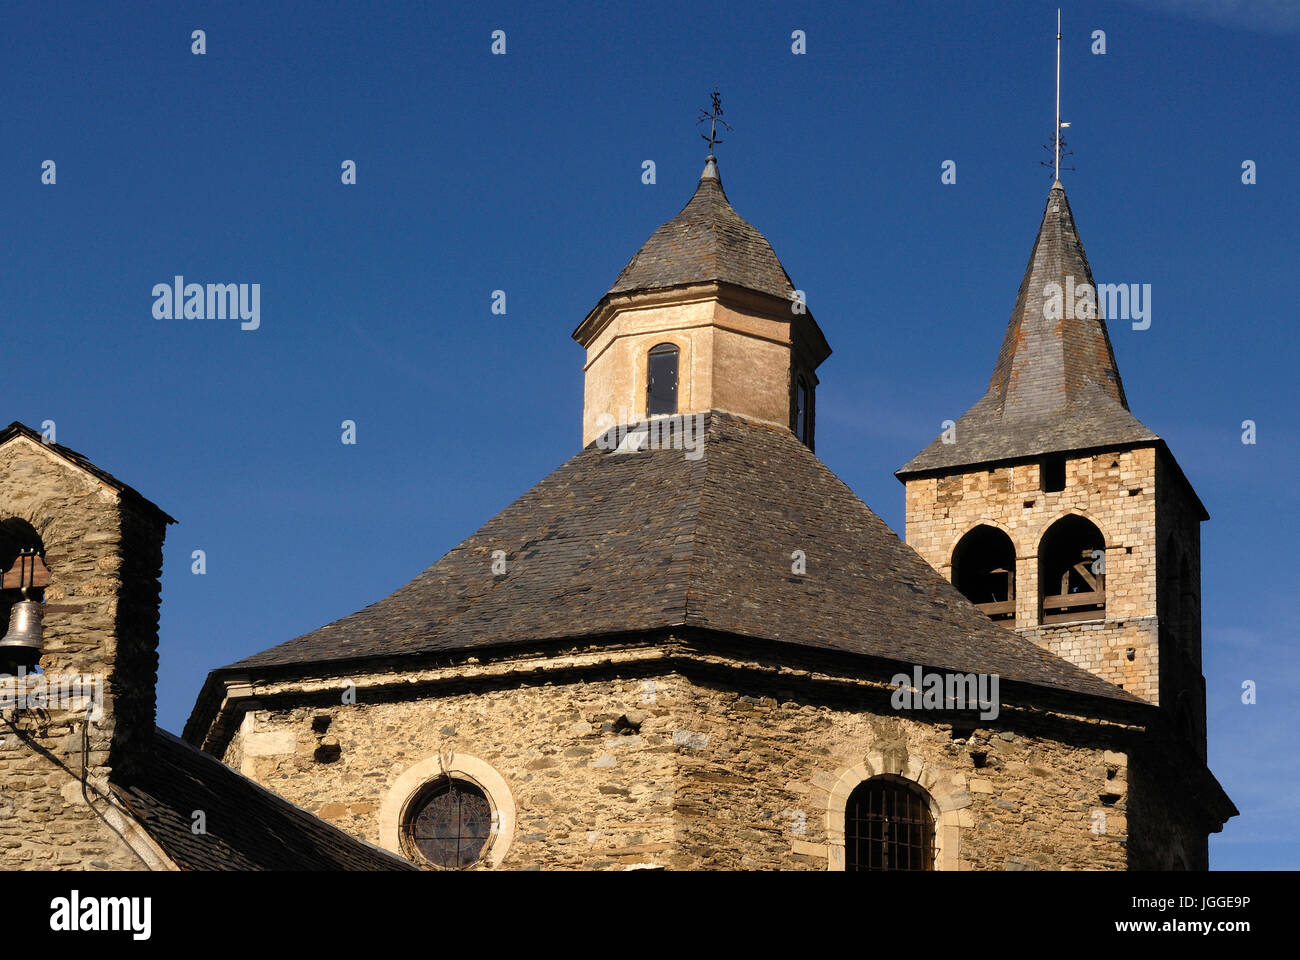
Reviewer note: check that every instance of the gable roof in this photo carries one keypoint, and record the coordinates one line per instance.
(128, 493)
(706, 241)
(1055, 386)
(612, 543)
(247, 826)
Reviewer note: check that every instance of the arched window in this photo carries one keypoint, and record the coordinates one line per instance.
(450, 823)
(18, 537)
(984, 570)
(661, 380)
(803, 410)
(888, 826)
(1072, 571)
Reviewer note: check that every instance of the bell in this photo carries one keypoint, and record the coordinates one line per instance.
(22, 644)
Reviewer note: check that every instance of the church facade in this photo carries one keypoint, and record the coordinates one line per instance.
(693, 647)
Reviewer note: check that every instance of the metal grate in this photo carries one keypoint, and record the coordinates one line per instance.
(887, 826)
(452, 826)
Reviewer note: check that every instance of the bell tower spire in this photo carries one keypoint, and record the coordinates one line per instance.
(1053, 508)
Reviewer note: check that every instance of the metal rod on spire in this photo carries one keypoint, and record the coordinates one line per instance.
(714, 116)
(1056, 169)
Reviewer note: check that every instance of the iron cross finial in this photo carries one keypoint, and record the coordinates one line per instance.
(714, 116)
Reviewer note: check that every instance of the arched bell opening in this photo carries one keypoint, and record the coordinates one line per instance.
(22, 594)
(1072, 572)
(984, 570)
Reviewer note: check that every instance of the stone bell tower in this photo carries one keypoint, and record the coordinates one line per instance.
(704, 317)
(1050, 506)
(88, 715)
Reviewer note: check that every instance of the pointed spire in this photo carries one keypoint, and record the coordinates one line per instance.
(706, 241)
(1056, 350)
(1055, 386)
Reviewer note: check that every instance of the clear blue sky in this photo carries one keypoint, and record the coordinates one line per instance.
(523, 173)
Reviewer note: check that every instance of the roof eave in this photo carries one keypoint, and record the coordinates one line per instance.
(233, 687)
(730, 294)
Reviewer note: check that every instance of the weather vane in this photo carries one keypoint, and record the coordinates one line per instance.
(714, 116)
(1058, 142)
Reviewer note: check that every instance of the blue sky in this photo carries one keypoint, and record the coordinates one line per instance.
(523, 173)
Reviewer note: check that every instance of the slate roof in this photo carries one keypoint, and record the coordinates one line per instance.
(617, 542)
(248, 827)
(707, 241)
(72, 456)
(1055, 386)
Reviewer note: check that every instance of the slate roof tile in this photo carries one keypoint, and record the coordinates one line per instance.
(706, 241)
(1055, 386)
(614, 543)
(247, 826)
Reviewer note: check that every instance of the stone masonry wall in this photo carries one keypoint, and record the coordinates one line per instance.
(586, 796)
(1166, 830)
(1178, 533)
(1117, 492)
(706, 776)
(44, 822)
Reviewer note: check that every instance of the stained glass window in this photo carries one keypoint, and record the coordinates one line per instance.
(451, 824)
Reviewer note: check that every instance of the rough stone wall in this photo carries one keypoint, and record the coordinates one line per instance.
(586, 796)
(1178, 534)
(1166, 830)
(715, 776)
(761, 790)
(134, 673)
(1117, 491)
(104, 565)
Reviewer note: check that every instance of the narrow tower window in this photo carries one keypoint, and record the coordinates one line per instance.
(1072, 571)
(984, 570)
(1053, 473)
(803, 411)
(661, 385)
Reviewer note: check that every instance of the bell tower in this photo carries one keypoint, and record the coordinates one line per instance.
(1052, 508)
(703, 317)
(81, 554)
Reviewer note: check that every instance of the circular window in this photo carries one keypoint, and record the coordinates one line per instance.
(449, 811)
(450, 823)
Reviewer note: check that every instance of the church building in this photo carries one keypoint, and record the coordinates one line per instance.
(691, 646)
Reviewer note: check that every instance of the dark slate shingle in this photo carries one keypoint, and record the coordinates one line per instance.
(248, 827)
(616, 543)
(1055, 386)
(707, 241)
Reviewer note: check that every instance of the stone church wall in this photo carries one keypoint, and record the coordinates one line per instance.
(690, 773)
